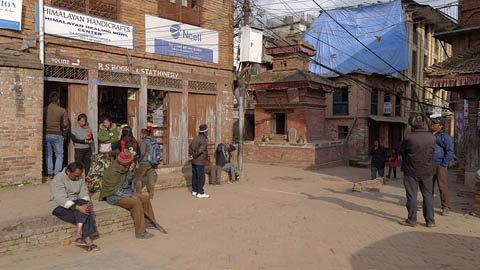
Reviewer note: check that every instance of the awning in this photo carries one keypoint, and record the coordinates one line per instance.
(389, 119)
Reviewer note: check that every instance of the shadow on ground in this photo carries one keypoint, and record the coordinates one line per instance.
(354, 207)
(420, 250)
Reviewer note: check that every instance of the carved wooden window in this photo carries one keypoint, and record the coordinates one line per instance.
(202, 86)
(66, 72)
(108, 9)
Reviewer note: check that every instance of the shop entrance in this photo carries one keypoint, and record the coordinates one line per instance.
(157, 120)
(120, 105)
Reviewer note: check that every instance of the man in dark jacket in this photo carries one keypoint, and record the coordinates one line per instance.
(198, 155)
(56, 128)
(379, 157)
(224, 163)
(443, 155)
(417, 149)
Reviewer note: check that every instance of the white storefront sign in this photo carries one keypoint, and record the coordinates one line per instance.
(138, 70)
(177, 39)
(11, 14)
(73, 25)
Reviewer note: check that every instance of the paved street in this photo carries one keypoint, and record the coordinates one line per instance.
(282, 218)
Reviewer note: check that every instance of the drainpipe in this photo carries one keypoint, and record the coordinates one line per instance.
(41, 30)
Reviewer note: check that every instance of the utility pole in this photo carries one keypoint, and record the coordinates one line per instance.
(243, 75)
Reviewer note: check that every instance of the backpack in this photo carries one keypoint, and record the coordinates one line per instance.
(154, 155)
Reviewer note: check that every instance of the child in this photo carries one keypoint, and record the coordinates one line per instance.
(392, 163)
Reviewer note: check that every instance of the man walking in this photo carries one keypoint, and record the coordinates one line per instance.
(379, 156)
(56, 128)
(443, 155)
(199, 156)
(417, 149)
(145, 168)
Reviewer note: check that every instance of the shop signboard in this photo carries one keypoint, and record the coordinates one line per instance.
(11, 14)
(177, 39)
(73, 25)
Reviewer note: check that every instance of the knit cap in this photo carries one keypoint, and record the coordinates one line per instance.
(125, 158)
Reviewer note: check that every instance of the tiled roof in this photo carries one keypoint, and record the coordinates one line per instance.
(280, 76)
(465, 63)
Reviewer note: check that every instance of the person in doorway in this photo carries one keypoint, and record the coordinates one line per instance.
(107, 135)
(128, 142)
(417, 150)
(444, 151)
(117, 190)
(224, 163)
(379, 155)
(69, 201)
(198, 155)
(144, 166)
(392, 163)
(82, 139)
(56, 129)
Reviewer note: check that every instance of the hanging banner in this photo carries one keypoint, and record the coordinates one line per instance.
(177, 39)
(73, 25)
(11, 14)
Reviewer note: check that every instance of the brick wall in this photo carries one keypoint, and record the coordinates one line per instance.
(21, 113)
(297, 120)
(316, 124)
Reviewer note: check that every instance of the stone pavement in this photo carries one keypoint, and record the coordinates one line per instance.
(282, 218)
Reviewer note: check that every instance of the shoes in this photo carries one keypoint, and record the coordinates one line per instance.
(204, 195)
(150, 226)
(445, 211)
(194, 193)
(237, 177)
(406, 223)
(431, 225)
(145, 235)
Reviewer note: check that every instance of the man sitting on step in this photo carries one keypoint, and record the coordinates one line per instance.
(223, 161)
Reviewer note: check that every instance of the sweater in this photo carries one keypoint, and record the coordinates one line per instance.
(79, 135)
(63, 191)
(56, 120)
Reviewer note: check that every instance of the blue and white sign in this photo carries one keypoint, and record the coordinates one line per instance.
(176, 39)
(73, 25)
(11, 14)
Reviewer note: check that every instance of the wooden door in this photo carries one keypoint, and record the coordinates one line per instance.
(201, 110)
(174, 103)
(133, 112)
(77, 104)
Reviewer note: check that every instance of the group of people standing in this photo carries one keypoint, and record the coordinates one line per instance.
(425, 159)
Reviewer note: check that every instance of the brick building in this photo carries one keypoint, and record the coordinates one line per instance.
(289, 112)
(460, 74)
(159, 63)
(367, 113)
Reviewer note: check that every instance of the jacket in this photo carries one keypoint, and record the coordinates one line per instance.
(198, 150)
(144, 150)
(392, 160)
(379, 156)
(222, 156)
(443, 148)
(56, 120)
(109, 135)
(63, 191)
(129, 143)
(417, 150)
(113, 179)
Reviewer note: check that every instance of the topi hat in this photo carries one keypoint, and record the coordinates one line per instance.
(202, 128)
(125, 158)
(439, 120)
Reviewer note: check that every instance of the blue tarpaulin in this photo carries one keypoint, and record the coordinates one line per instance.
(380, 27)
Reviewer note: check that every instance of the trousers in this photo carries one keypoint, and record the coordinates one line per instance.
(150, 173)
(441, 177)
(75, 217)
(374, 172)
(84, 156)
(53, 142)
(138, 207)
(411, 187)
(198, 178)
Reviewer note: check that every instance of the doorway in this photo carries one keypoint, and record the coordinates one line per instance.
(62, 89)
(120, 104)
(280, 123)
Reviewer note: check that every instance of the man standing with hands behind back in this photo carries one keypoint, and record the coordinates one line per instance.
(443, 155)
(198, 155)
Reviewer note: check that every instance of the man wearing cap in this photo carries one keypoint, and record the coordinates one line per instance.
(117, 190)
(198, 155)
(443, 155)
(417, 150)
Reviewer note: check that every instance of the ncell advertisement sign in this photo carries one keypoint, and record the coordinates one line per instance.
(68, 24)
(180, 40)
(11, 14)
